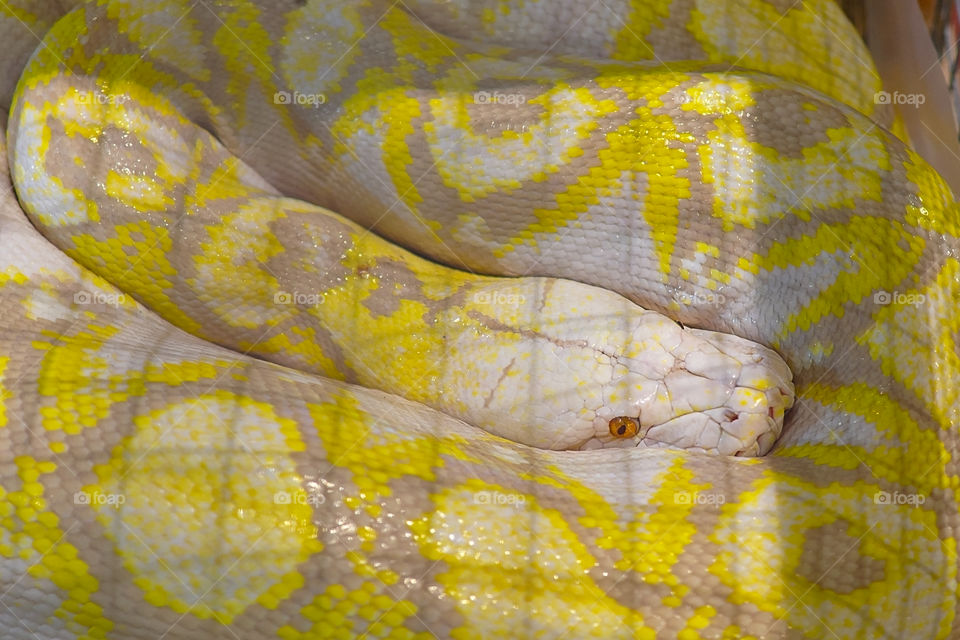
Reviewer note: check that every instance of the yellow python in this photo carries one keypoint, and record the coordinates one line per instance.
(153, 484)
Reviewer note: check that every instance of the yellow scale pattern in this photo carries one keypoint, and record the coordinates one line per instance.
(233, 492)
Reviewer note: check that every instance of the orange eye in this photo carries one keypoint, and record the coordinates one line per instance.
(624, 427)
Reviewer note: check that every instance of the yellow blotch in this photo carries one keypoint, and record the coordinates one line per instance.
(47, 60)
(811, 43)
(416, 46)
(774, 520)
(749, 264)
(142, 193)
(143, 273)
(176, 373)
(81, 382)
(754, 183)
(819, 350)
(128, 107)
(218, 470)
(645, 145)
(645, 548)
(43, 195)
(641, 540)
(5, 389)
(390, 94)
(399, 111)
(374, 81)
(31, 533)
(306, 349)
(933, 205)
(13, 275)
(914, 340)
(699, 620)
(901, 445)
(166, 30)
(899, 128)
(498, 569)
(304, 27)
(368, 610)
(723, 95)
(244, 45)
(711, 250)
(871, 241)
(478, 164)
(399, 351)
(230, 179)
(231, 277)
(629, 42)
(376, 458)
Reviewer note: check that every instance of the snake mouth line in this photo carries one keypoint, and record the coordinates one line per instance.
(756, 442)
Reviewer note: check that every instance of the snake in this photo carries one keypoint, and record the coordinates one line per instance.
(295, 291)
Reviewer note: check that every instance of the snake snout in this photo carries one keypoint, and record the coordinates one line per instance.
(705, 392)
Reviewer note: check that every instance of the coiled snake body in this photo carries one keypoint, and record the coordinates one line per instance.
(154, 484)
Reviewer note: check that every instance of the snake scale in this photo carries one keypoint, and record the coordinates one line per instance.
(183, 453)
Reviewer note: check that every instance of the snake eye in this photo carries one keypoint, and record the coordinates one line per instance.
(624, 427)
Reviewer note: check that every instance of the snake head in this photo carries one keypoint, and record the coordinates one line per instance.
(578, 367)
(722, 394)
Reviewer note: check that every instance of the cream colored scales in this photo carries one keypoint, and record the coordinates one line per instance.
(154, 484)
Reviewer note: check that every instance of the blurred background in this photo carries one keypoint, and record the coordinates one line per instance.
(942, 20)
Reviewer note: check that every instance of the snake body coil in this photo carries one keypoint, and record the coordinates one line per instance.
(723, 163)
